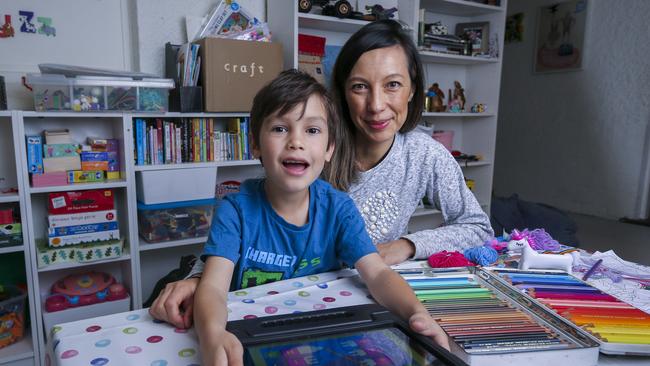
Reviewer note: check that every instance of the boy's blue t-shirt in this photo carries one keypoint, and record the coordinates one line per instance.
(266, 248)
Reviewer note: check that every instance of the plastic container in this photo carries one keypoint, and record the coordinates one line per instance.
(445, 138)
(12, 314)
(98, 93)
(175, 221)
(175, 185)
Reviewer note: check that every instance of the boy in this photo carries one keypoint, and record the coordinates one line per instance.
(291, 223)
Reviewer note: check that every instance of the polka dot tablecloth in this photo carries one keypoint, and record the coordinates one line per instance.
(134, 338)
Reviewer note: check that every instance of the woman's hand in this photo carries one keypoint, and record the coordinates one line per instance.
(175, 303)
(396, 251)
(222, 350)
(424, 324)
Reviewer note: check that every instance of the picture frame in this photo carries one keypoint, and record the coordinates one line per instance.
(478, 33)
(560, 38)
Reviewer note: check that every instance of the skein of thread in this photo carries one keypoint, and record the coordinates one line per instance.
(484, 255)
(447, 259)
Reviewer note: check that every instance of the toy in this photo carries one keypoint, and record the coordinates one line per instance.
(341, 8)
(457, 101)
(530, 259)
(436, 99)
(12, 302)
(84, 289)
(478, 108)
(7, 30)
(380, 13)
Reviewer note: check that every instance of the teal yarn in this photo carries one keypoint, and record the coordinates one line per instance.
(483, 255)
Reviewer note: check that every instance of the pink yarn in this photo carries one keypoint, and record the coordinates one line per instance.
(446, 259)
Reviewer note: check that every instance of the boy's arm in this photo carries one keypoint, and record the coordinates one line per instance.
(218, 347)
(390, 290)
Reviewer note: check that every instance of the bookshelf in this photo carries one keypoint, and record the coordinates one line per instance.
(474, 133)
(141, 264)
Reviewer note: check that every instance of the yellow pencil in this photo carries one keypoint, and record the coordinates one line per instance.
(625, 338)
(619, 330)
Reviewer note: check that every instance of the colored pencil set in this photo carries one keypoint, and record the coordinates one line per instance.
(480, 322)
(603, 315)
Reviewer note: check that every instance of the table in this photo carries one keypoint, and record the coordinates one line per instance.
(134, 338)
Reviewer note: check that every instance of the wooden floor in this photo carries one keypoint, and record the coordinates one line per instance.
(630, 242)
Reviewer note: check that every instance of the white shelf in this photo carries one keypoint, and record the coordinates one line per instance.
(330, 24)
(472, 164)
(208, 164)
(5, 114)
(446, 58)
(69, 114)
(9, 197)
(422, 211)
(80, 186)
(462, 8)
(144, 246)
(20, 350)
(191, 115)
(13, 249)
(124, 257)
(456, 115)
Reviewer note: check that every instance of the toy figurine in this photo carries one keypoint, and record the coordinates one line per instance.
(380, 13)
(341, 8)
(436, 96)
(7, 30)
(459, 95)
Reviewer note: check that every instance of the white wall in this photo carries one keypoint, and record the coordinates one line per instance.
(162, 21)
(577, 140)
(88, 33)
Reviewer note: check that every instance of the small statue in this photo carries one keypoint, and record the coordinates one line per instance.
(436, 96)
(457, 102)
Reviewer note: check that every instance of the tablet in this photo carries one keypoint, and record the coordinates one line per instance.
(355, 335)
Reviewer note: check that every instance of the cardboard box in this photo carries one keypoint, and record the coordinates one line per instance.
(59, 241)
(234, 71)
(60, 203)
(35, 154)
(61, 164)
(82, 218)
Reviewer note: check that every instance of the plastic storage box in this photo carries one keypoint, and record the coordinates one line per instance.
(12, 314)
(162, 186)
(175, 220)
(97, 93)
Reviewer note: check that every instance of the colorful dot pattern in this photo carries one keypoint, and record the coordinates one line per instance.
(135, 338)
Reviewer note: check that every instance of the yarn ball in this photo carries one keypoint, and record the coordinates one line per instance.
(447, 259)
(484, 255)
(539, 239)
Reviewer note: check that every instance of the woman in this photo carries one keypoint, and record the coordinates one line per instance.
(378, 83)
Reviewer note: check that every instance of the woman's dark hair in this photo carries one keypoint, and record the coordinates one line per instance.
(379, 34)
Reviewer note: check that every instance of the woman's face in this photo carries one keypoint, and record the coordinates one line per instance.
(378, 91)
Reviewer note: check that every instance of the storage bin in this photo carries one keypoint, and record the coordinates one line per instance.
(445, 138)
(99, 93)
(175, 220)
(12, 314)
(175, 185)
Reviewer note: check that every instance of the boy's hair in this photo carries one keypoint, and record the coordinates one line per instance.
(292, 88)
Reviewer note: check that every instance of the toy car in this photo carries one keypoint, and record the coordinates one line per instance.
(341, 8)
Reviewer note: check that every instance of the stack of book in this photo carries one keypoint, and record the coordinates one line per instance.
(190, 140)
(82, 226)
(62, 161)
(444, 43)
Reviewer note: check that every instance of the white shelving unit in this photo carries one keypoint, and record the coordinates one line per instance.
(25, 351)
(141, 264)
(156, 259)
(474, 133)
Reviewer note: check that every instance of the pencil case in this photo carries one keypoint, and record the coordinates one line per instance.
(490, 323)
(618, 327)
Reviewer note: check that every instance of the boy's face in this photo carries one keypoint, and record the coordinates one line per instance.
(294, 148)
